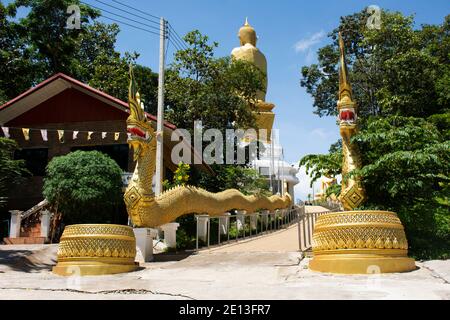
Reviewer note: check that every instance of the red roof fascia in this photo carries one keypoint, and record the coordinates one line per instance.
(84, 86)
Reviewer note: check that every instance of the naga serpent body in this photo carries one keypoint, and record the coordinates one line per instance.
(352, 192)
(147, 210)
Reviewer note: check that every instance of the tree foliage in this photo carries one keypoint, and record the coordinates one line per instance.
(39, 45)
(85, 187)
(394, 70)
(220, 92)
(11, 171)
(400, 78)
(242, 178)
(322, 165)
(407, 171)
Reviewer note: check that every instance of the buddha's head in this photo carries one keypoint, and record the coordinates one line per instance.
(247, 34)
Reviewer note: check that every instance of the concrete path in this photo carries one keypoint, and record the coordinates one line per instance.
(239, 275)
(269, 267)
(285, 240)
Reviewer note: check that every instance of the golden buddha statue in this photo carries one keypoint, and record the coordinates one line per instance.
(249, 52)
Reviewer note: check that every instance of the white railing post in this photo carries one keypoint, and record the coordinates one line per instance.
(202, 227)
(16, 219)
(45, 223)
(224, 223)
(144, 243)
(170, 234)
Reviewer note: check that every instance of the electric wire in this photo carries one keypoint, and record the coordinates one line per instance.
(120, 16)
(131, 13)
(130, 7)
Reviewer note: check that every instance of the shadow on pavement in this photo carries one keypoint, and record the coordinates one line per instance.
(171, 256)
(27, 260)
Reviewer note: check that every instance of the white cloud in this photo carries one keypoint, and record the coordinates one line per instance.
(306, 43)
(322, 133)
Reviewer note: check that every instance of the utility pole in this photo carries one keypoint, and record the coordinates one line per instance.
(160, 116)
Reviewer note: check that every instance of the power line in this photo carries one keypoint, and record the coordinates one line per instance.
(130, 7)
(120, 16)
(133, 14)
(175, 45)
(177, 36)
(181, 45)
(127, 24)
(176, 40)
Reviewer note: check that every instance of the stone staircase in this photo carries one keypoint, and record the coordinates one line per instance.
(29, 226)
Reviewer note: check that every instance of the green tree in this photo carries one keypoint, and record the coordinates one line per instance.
(11, 171)
(406, 170)
(218, 91)
(394, 70)
(320, 165)
(39, 45)
(86, 187)
(400, 78)
(110, 75)
(242, 178)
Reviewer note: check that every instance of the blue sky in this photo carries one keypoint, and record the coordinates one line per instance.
(282, 26)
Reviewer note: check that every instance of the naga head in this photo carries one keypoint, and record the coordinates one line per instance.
(139, 128)
(346, 106)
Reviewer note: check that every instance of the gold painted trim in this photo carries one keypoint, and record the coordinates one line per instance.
(96, 249)
(98, 236)
(386, 252)
(358, 225)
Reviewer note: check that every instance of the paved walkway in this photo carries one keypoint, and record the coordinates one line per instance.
(25, 274)
(285, 240)
(269, 267)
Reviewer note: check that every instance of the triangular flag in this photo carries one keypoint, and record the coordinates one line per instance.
(26, 133)
(116, 136)
(89, 135)
(103, 135)
(61, 136)
(44, 134)
(75, 135)
(128, 136)
(6, 132)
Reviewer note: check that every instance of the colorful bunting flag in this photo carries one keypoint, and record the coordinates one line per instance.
(6, 132)
(61, 136)
(75, 135)
(44, 134)
(26, 133)
(89, 135)
(103, 135)
(116, 136)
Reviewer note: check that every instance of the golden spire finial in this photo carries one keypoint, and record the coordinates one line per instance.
(345, 88)
(247, 34)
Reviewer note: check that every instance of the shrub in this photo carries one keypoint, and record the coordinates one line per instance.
(86, 187)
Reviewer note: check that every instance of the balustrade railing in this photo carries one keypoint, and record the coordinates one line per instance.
(229, 228)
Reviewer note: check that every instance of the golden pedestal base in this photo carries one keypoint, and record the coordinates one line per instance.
(360, 242)
(96, 249)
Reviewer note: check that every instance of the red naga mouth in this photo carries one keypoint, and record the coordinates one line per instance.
(136, 131)
(347, 115)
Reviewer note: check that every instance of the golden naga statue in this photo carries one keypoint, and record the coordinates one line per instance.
(147, 210)
(250, 53)
(356, 242)
(352, 192)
